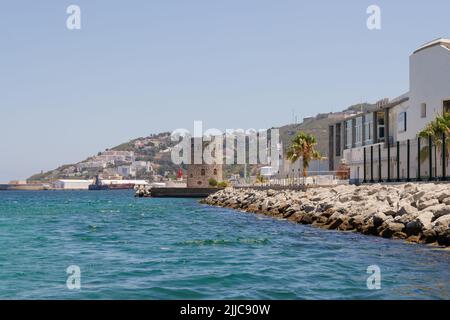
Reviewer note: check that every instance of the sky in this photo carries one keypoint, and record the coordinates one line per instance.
(141, 67)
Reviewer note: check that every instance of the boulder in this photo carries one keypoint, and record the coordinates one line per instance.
(399, 235)
(334, 224)
(390, 227)
(308, 207)
(428, 203)
(406, 209)
(442, 211)
(429, 236)
(421, 223)
(444, 238)
(443, 221)
(378, 219)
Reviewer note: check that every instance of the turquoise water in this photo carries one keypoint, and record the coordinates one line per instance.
(130, 248)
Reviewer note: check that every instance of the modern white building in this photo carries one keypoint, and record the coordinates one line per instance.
(126, 171)
(69, 184)
(381, 143)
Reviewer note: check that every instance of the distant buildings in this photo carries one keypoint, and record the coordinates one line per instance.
(69, 184)
(375, 143)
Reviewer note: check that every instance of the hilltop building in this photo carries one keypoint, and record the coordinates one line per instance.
(382, 142)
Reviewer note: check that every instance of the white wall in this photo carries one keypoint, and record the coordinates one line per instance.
(429, 83)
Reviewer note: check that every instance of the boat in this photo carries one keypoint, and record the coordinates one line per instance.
(112, 185)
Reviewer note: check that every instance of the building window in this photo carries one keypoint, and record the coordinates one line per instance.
(191, 175)
(380, 125)
(401, 122)
(338, 140)
(215, 172)
(368, 128)
(423, 110)
(199, 183)
(202, 172)
(446, 107)
(358, 131)
(348, 129)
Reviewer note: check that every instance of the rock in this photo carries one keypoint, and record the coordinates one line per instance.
(307, 219)
(417, 212)
(443, 221)
(356, 222)
(442, 211)
(446, 201)
(296, 217)
(378, 219)
(429, 236)
(389, 228)
(443, 196)
(390, 212)
(444, 238)
(415, 239)
(406, 218)
(282, 206)
(399, 235)
(334, 224)
(421, 223)
(406, 209)
(428, 203)
(308, 207)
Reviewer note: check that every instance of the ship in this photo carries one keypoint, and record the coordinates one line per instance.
(113, 184)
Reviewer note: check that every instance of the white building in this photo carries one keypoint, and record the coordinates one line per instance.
(126, 171)
(66, 184)
(367, 142)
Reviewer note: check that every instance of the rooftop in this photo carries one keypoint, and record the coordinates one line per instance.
(437, 42)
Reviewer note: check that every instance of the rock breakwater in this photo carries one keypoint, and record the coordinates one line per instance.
(416, 212)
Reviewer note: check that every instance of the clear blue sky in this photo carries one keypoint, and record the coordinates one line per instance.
(140, 67)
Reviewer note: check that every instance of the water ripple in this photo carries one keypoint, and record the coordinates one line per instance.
(131, 248)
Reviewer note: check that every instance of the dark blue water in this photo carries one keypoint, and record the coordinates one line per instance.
(130, 248)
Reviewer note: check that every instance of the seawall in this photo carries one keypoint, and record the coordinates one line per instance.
(415, 212)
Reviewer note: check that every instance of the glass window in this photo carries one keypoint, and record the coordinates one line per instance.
(380, 120)
(423, 110)
(358, 131)
(349, 128)
(401, 122)
(368, 128)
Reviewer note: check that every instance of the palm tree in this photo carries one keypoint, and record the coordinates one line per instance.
(303, 147)
(436, 130)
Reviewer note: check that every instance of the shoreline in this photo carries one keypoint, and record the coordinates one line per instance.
(414, 212)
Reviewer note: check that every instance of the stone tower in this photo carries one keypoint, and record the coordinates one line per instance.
(198, 175)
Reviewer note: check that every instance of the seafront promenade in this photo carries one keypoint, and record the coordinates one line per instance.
(416, 212)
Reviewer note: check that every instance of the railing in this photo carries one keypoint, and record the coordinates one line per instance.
(411, 160)
(316, 178)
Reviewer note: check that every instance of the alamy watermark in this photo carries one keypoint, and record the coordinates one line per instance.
(234, 146)
(73, 21)
(374, 280)
(73, 281)
(374, 20)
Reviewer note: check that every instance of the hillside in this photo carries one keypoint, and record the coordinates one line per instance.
(150, 157)
(141, 158)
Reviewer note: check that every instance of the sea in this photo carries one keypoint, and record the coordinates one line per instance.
(110, 245)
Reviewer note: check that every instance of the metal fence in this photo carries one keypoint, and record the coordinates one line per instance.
(411, 160)
(317, 178)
